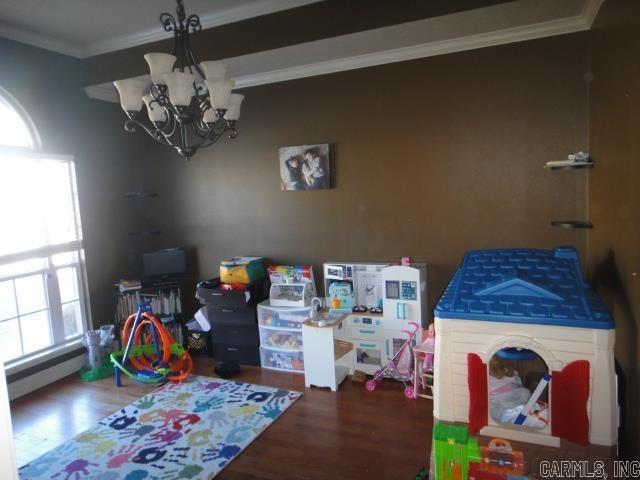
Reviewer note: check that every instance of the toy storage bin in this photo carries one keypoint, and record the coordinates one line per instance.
(283, 317)
(198, 343)
(242, 270)
(209, 292)
(283, 360)
(289, 339)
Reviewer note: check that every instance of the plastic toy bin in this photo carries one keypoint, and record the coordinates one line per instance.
(283, 317)
(290, 339)
(280, 359)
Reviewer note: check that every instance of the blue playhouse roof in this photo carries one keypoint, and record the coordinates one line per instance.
(543, 287)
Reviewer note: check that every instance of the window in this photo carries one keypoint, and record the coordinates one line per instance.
(42, 294)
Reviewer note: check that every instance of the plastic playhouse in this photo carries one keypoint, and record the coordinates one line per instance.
(524, 350)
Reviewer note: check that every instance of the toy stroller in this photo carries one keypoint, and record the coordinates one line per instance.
(400, 366)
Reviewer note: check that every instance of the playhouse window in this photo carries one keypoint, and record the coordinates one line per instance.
(514, 396)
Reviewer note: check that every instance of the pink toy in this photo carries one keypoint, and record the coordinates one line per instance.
(399, 367)
(430, 341)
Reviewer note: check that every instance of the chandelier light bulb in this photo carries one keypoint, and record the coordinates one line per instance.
(233, 112)
(180, 86)
(220, 92)
(156, 112)
(214, 70)
(130, 91)
(159, 64)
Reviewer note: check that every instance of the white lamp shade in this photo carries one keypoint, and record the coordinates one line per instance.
(210, 116)
(155, 111)
(180, 87)
(233, 112)
(159, 64)
(130, 91)
(219, 92)
(214, 70)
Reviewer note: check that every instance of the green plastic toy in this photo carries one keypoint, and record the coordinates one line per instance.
(454, 450)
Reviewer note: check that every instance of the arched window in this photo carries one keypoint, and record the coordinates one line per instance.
(16, 129)
(42, 291)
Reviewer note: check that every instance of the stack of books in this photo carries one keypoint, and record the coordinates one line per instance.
(128, 285)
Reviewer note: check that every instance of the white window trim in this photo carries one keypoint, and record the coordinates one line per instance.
(60, 346)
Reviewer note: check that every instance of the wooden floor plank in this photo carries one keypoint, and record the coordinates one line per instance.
(349, 434)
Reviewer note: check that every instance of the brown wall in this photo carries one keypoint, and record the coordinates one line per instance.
(49, 86)
(432, 158)
(614, 187)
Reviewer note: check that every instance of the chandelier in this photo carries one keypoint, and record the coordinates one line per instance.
(189, 105)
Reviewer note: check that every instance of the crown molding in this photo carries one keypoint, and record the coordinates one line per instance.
(222, 17)
(590, 11)
(472, 42)
(40, 41)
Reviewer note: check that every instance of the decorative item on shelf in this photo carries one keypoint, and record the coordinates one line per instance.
(574, 161)
(571, 224)
(140, 194)
(189, 105)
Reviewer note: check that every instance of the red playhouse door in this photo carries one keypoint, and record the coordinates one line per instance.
(569, 395)
(478, 393)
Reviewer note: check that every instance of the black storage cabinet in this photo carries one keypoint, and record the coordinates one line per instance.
(234, 320)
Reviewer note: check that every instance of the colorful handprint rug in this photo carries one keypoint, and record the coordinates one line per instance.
(189, 431)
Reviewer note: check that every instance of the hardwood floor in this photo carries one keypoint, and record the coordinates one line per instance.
(350, 434)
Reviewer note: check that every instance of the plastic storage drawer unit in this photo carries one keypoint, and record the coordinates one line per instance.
(283, 317)
(283, 360)
(290, 339)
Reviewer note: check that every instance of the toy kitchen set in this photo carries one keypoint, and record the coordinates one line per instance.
(380, 301)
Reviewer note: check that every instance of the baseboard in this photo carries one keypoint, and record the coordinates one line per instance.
(44, 377)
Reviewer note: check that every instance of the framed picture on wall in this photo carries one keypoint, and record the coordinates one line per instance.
(305, 167)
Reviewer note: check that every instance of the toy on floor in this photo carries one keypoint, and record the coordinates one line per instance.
(151, 354)
(459, 457)
(99, 345)
(526, 300)
(429, 343)
(423, 356)
(400, 366)
(510, 401)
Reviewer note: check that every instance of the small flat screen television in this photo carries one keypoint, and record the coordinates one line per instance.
(167, 264)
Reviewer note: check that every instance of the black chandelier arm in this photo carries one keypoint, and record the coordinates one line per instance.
(193, 23)
(210, 140)
(168, 129)
(132, 124)
(168, 22)
(234, 132)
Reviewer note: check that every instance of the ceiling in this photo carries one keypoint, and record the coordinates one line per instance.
(84, 28)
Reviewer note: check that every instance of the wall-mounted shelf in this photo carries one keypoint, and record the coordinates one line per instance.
(574, 166)
(145, 233)
(571, 224)
(140, 194)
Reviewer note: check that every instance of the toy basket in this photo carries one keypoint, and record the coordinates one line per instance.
(199, 343)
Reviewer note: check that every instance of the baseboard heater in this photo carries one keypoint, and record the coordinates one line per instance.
(26, 381)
